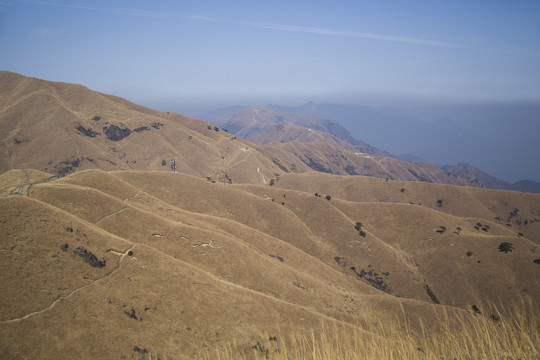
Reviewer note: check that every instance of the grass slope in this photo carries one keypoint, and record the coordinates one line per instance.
(108, 264)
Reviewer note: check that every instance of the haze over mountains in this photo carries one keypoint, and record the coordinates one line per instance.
(388, 127)
(106, 253)
(499, 138)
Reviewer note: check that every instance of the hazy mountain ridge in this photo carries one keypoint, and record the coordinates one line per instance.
(477, 133)
(387, 126)
(468, 171)
(257, 119)
(307, 143)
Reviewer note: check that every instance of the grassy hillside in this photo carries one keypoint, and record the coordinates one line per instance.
(108, 264)
(61, 128)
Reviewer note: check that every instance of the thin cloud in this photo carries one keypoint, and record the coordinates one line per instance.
(354, 34)
(330, 32)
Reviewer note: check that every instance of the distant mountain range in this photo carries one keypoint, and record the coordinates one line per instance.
(499, 138)
(383, 131)
(311, 144)
(468, 171)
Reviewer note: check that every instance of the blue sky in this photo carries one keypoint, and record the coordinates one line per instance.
(225, 52)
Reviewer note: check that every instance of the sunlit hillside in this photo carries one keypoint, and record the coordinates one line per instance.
(100, 264)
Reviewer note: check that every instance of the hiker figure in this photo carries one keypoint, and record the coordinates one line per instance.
(173, 166)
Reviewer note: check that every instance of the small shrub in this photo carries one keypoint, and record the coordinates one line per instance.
(469, 253)
(358, 226)
(328, 197)
(130, 253)
(442, 229)
(439, 203)
(163, 163)
(476, 310)
(537, 261)
(362, 233)
(402, 190)
(506, 247)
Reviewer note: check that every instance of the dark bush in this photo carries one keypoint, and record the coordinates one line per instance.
(114, 133)
(506, 247)
(431, 294)
(442, 229)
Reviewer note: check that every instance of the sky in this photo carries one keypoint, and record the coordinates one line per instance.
(225, 52)
(430, 59)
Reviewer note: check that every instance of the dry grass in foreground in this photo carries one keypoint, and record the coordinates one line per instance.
(490, 334)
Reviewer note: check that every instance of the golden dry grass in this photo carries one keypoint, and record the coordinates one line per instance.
(504, 334)
(216, 264)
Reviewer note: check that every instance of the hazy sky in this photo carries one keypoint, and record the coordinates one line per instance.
(191, 52)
